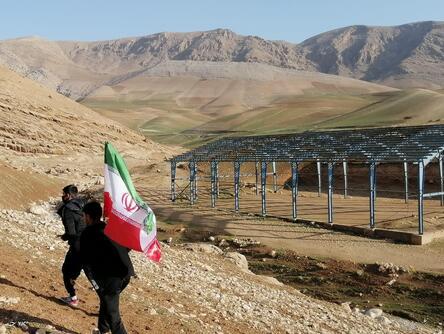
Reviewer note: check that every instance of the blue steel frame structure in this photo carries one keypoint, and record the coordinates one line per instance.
(417, 145)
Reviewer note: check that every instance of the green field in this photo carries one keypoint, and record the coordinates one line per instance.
(161, 118)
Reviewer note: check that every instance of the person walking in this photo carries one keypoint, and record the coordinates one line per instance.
(72, 219)
(108, 267)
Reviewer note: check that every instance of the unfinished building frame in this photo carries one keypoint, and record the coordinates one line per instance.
(413, 145)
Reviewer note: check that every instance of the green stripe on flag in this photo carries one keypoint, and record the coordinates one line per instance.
(115, 161)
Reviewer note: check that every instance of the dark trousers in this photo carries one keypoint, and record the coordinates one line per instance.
(71, 270)
(109, 313)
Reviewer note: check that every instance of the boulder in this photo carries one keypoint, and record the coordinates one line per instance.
(38, 210)
(374, 312)
(238, 259)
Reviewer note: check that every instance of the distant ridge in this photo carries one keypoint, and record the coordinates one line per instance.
(409, 55)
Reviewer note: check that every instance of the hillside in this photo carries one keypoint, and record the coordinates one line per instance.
(37, 120)
(410, 55)
(47, 140)
(409, 107)
(177, 102)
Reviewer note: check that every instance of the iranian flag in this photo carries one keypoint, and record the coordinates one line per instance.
(131, 223)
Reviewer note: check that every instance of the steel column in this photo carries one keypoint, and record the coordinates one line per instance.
(216, 173)
(213, 183)
(372, 182)
(236, 185)
(263, 185)
(420, 197)
(406, 181)
(344, 167)
(330, 192)
(256, 165)
(294, 189)
(441, 177)
(318, 165)
(173, 181)
(195, 181)
(192, 183)
(273, 166)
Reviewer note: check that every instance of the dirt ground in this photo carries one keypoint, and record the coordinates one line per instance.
(391, 210)
(40, 285)
(18, 188)
(413, 295)
(302, 239)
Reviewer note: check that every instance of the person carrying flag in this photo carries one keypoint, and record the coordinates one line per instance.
(130, 224)
(107, 266)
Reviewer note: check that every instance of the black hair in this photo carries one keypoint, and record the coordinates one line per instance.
(71, 189)
(93, 209)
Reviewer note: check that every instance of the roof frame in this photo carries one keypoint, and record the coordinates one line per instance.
(390, 144)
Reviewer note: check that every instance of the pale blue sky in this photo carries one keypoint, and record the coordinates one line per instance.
(288, 20)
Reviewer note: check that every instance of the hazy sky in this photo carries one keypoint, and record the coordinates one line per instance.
(288, 20)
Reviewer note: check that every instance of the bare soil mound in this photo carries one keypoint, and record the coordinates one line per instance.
(19, 188)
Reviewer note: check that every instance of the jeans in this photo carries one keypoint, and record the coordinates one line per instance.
(109, 313)
(71, 270)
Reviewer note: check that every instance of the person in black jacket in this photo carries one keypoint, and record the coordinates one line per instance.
(107, 266)
(72, 219)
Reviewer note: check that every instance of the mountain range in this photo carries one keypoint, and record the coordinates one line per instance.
(409, 55)
(177, 86)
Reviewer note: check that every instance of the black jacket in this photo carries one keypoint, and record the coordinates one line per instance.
(102, 258)
(72, 219)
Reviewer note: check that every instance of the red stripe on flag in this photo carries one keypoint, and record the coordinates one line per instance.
(107, 204)
(122, 232)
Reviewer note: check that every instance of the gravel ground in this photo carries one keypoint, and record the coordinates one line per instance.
(201, 287)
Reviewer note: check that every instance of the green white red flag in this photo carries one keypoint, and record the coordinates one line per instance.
(131, 222)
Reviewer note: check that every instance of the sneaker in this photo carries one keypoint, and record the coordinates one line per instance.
(71, 301)
(96, 331)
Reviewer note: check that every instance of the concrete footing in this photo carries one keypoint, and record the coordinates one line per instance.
(410, 238)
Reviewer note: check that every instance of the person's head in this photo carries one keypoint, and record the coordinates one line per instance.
(69, 192)
(92, 212)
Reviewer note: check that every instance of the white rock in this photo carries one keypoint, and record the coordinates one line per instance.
(346, 306)
(100, 181)
(38, 210)
(272, 253)
(211, 238)
(239, 259)
(9, 300)
(392, 281)
(374, 312)
(223, 243)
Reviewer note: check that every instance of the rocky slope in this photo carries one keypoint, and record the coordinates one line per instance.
(47, 140)
(196, 288)
(36, 120)
(409, 55)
